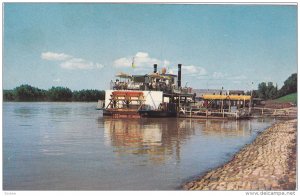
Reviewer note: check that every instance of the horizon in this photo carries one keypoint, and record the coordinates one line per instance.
(82, 46)
(212, 89)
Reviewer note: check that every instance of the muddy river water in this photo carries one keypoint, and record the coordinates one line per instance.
(71, 146)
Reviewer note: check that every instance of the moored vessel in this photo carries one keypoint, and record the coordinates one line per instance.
(158, 94)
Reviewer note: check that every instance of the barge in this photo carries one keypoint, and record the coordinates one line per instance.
(220, 106)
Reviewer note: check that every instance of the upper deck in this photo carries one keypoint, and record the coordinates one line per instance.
(165, 82)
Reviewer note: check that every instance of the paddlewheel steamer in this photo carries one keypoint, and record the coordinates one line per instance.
(160, 94)
(151, 95)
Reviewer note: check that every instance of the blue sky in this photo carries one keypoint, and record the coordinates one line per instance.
(82, 46)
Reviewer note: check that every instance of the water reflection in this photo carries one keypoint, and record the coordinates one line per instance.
(59, 111)
(227, 128)
(69, 146)
(26, 112)
(158, 139)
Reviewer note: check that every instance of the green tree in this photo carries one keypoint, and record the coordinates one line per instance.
(29, 93)
(88, 95)
(8, 95)
(59, 94)
(267, 91)
(272, 91)
(289, 86)
(261, 91)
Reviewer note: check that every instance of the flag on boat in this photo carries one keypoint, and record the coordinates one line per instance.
(132, 64)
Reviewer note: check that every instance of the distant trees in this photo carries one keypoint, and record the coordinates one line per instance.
(59, 94)
(289, 86)
(269, 91)
(29, 93)
(88, 95)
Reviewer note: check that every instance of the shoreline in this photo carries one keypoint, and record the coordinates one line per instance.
(268, 163)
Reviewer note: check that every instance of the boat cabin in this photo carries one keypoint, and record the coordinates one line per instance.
(152, 82)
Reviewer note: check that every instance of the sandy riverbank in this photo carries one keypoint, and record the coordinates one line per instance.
(268, 163)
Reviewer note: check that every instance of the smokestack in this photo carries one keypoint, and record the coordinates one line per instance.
(179, 75)
(155, 68)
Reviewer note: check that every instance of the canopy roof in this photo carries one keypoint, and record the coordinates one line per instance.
(151, 75)
(162, 76)
(227, 97)
(123, 75)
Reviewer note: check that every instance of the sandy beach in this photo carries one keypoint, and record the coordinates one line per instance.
(268, 163)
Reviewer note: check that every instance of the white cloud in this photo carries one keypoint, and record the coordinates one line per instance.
(57, 80)
(123, 62)
(166, 63)
(98, 65)
(144, 62)
(52, 56)
(142, 55)
(70, 62)
(141, 59)
(190, 70)
(78, 63)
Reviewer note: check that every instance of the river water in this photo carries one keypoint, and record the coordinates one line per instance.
(71, 146)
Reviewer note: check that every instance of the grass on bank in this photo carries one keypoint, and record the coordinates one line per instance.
(288, 98)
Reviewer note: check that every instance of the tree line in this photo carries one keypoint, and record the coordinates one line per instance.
(26, 92)
(269, 91)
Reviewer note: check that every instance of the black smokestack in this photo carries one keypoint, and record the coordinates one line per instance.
(179, 75)
(155, 68)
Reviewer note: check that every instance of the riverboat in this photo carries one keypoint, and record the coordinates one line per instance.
(158, 94)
